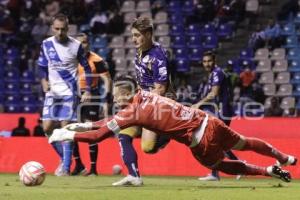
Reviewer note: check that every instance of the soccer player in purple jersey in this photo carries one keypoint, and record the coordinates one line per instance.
(152, 75)
(217, 100)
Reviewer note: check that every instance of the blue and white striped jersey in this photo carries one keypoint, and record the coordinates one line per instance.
(61, 60)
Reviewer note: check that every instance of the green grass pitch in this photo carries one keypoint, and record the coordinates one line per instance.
(155, 188)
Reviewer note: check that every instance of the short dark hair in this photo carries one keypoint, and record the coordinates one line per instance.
(210, 53)
(60, 17)
(126, 82)
(143, 24)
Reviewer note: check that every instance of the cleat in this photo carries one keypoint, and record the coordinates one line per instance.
(59, 135)
(79, 170)
(209, 177)
(276, 172)
(63, 173)
(238, 177)
(92, 174)
(129, 181)
(59, 169)
(291, 161)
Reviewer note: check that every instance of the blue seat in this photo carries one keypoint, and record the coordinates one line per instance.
(12, 75)
(295, 78)
(208, 29)
(12, 108)
(247, 53)
(225, 31)
(293, 54)
(176, 29)
(188, 7)
(12, 88)
(30, 98)
(182, 65)
(12, 53)
(196, 54)
(26, 88)
(178, 41)
(298, 103)
(2, 98)
(296, 91)
(174, 6)
(210, 42)
(195, 41)
(294, 65)
(29, 108)
(180, 53)
(12, 99)
(291, 42)
(193, 30)
(297, 19)
(176, 18)
(99, 42)
(103, 52)
(27, 77)
(288, 29)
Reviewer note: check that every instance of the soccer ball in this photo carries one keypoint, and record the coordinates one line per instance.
(32, 173)
(116, 169)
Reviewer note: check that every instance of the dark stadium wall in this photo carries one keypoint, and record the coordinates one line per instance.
(175, 159)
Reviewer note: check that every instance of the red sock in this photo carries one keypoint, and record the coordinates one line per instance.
(264, 148)
(236, 167)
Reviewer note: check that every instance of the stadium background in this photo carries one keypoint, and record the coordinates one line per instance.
(186, 29)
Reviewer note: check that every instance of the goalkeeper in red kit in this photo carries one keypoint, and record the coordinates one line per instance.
(206, 136)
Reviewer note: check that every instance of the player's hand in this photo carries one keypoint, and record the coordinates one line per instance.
(86, 97)
(79, 127)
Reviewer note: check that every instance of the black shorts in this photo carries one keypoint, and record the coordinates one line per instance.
(91, 111)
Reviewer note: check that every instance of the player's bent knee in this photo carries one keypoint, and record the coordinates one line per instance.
(149, 147)
(131, 131)
(240, 144)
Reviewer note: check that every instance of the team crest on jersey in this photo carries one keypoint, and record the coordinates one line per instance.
(146, 59)
(52, 53)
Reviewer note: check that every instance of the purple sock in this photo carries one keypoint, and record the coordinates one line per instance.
(129, 154)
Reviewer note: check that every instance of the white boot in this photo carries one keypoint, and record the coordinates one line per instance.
(61, 135)
(129, 180)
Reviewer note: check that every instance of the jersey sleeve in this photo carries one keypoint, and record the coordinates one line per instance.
(42, 60)
(159, 67)
(101, 67)
(217, 78)
(84, 63)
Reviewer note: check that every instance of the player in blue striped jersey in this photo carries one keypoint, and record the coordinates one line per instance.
(58, 61)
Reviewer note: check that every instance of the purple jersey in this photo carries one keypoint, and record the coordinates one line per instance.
(151, 67)
(219, 78)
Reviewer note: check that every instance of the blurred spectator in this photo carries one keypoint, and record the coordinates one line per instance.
(272, 34)
(204, 12)
(257, 39)
(38, 130)
(274, 110)
(290, 7)
(116, 23)
(247, 77)
(99, 22)
(233, 76)
(7, 24)
(39, 31)
(51, 9)
(183, 91)
(21, 130)
(157, 5)
(258, 94)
